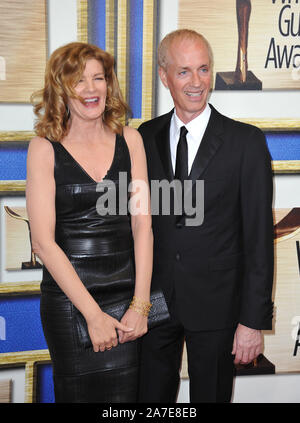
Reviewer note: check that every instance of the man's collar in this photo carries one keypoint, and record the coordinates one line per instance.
(194, 125)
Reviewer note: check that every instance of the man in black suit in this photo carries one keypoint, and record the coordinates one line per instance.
(217, 276)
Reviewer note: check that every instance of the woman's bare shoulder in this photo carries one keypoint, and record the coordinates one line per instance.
(40, 149)
(132, 137)
(40, 144)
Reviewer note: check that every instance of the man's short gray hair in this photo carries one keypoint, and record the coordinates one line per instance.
(180, 34)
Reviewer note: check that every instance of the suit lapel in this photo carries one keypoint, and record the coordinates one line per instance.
(209, 145)
(162, 140)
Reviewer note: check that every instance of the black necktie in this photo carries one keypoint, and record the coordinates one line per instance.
(181, 168)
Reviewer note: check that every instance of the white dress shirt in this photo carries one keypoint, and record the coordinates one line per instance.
(196, 129)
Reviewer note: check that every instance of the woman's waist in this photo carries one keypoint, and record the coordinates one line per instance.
(85, 244)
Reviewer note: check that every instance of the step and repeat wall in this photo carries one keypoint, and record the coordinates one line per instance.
(256, 47)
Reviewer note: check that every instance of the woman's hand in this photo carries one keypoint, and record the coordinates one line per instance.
(102, 331)
(135, 320)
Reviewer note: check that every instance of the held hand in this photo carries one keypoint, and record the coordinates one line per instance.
(102, 331)
(247, 344)
(138, 322)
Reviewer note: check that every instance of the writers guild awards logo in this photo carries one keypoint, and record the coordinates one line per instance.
(2, 329)
(2, 69)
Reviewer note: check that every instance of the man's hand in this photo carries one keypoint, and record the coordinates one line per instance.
(247, 344)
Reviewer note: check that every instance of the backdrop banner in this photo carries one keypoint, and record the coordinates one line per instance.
(255, 43)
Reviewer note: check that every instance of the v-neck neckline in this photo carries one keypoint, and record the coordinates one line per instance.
(83, 169)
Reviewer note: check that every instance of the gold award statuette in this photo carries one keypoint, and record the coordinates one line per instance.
(242, 78)
(33, 263)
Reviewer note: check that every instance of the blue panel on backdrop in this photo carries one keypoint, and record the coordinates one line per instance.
(13, 163)
(136, 58)
(96, 22)
(284, 145)
(45, 389)
(21, 324)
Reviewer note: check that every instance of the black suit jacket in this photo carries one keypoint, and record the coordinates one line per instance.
(222, 270)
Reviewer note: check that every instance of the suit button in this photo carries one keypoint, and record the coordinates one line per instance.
(177, 257)
(179, 225)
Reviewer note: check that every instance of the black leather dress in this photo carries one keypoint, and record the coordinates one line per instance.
(100, 249)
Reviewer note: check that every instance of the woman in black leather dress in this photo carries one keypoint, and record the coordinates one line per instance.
(80, 147)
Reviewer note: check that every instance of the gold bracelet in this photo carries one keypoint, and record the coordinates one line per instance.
(142, 302)
(142, 310)
(140, 306)
(138, 310)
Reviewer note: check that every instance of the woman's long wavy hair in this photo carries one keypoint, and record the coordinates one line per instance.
(64, 69)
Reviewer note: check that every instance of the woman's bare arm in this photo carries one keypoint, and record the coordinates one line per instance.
(142, 231)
